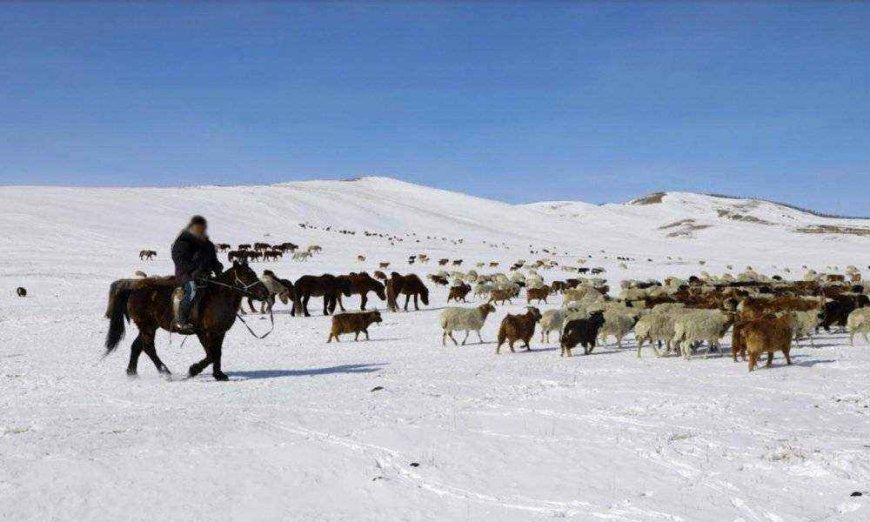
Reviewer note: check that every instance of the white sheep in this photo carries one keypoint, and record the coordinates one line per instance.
(804, 325)
(464, 319)
(616, 323)
(658, 326)
(858, 322)
(552, 320)
(534, 281)
(695, 326)
(483, 289)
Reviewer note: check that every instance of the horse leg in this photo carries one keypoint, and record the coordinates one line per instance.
(197, 367)
(407, 299)
(340, 303)
(363, 299)
(135, 352)
(217, 343)
(305, 305)
(416, 305)
(151, 351)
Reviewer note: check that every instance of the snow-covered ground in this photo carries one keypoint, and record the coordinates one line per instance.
(455, 433)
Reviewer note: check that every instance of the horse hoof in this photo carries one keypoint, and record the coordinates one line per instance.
(132, 374)
(221, 377)
(194, 370)
(165, 371)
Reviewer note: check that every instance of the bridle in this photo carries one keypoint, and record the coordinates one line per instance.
(240, 285)
(244, 289)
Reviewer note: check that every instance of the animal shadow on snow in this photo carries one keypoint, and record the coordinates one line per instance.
(274, 374)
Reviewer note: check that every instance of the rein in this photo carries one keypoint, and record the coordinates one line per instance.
(243, 289)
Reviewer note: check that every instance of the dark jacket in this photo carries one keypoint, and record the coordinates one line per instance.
(194, 257)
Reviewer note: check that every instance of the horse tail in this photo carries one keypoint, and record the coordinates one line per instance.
(117, 313)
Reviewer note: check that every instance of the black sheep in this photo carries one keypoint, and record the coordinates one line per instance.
(581, 331)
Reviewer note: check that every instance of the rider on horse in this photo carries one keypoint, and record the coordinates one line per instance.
(195, 260)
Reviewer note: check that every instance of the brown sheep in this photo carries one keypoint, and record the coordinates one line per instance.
(354, 323)
(518, 328)
(537, 294)
(501, 295)
(768, 334)
(443, 261)
(458, 293)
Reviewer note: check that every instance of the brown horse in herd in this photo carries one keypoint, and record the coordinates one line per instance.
(148, 303)
(361, 284)
(411, 286)
(327, 286)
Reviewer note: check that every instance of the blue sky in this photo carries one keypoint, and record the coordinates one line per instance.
(514, 101)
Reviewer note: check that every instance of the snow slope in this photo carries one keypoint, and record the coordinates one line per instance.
(299, 434)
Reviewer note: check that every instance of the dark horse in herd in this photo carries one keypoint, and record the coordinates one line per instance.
(331, 288)
(148, 303)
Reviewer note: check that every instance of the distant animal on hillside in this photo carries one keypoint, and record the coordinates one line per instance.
(138, 274)
(411, 286)
(244, 246)
(361, 259)
(21, 291)
(384, 264)
(443, 261)
(353, 322)
(222, 247)
(457, 262)
(380, 275)
(301, 256)
(147, 255)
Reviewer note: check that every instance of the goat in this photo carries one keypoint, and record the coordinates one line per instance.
(539, 294)
(768, 334)
(458, 293)
(858, 322)
(583, 332)
(700, 325)
(518, 327)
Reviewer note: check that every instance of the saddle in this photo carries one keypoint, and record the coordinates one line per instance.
(195, 305)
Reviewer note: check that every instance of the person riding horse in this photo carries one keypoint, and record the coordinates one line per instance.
(195, 259)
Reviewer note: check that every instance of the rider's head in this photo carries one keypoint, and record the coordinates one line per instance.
(197, 226)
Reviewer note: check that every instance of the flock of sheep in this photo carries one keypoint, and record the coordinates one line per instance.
(764, 314)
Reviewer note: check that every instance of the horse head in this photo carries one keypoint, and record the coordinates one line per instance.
(246, 279)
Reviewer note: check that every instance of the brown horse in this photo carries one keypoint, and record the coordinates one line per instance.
(410, 285)
(327, 286)
(148, 302)
(361, 284)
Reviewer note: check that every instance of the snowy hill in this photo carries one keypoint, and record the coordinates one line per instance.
(693, 226)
